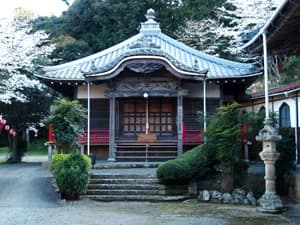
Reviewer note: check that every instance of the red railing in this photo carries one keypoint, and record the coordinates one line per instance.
(193, 136)
(102, 136)
(96, 136)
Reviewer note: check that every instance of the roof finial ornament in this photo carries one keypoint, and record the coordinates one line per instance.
(150, 15)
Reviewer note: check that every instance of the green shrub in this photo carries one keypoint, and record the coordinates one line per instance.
(88, 162)
(193, 164)
(255, 183)
(56, 161)
(240, 172)
(175, 171)
(285, 163)
(72, 176)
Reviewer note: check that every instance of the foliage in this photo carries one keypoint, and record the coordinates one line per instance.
(285, 164)
(255, 183)
(222, 138)
(222, 148)
(22, 98)
(19, 49)
(176, 171)
(72, 176)
(192, 165)
(92, 25)
(20, 114)
(201, 9)
(37, 147)
(291, 70)
(57, 160)
(220, 27)
(3, 150)
(254, 123)
(67, 121)
(222, 133)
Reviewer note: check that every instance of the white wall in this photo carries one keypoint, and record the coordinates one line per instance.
(96, 91)
(291, 102)
(196, 90)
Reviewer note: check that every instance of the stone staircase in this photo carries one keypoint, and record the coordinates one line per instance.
(129, 187)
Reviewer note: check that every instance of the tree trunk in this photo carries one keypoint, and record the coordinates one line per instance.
(227, 177)
(13, 148)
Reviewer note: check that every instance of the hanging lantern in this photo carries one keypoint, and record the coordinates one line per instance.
(11, 131)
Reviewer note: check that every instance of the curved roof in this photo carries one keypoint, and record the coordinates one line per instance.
(150, 43)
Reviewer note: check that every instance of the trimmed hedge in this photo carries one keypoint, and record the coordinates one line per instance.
(72, 176)
(58, 159)
(193, 164)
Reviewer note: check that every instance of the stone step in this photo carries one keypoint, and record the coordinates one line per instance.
(127, 186)
(123, 181)
(124, 176)
(125, 192)
(151, 198)
(126, 165)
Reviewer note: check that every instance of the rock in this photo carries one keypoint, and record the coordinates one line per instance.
(239, 192)
(246, 202)
(200, 196)
(206, 196)
(227, 198)
(216, 196)
(239, 196)
(251, 198)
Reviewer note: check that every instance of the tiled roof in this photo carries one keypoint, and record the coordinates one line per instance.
(278, 90)
(150, 41)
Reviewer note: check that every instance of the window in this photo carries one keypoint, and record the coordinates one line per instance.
(284, 116)
(162, 113)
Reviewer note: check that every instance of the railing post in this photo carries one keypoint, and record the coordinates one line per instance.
(112, 117)
(179, 125)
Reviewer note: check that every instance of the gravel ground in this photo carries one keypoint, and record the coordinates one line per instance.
(26, 198)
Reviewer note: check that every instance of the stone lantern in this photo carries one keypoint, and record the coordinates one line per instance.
(270, 201)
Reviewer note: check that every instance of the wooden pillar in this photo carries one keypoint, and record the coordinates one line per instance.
(112, 126)
(179, 125)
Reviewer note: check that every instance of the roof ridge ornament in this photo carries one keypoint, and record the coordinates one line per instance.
(150, 15)
(144, 42)
(150, 26)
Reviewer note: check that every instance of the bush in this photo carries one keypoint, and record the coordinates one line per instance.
(72, 176)
(176, 171)
(285, 164)
(193, 164)
(57, 160)
(240, 169)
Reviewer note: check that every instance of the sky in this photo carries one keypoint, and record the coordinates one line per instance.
(39, 7)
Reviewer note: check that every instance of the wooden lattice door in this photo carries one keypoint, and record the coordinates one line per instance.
(161, 116)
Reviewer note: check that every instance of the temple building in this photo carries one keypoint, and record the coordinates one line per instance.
(148, 97)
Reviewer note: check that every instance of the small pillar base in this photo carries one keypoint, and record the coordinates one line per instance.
(270, 203)
(111, 159)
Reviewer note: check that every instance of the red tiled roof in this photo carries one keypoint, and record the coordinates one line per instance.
(277, 90)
